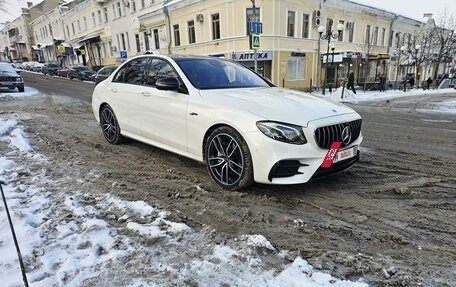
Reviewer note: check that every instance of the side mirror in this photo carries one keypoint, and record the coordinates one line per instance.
(167, 84)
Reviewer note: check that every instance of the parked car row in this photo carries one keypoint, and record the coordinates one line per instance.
(80, 72)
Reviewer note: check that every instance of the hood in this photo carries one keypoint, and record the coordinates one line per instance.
(277, 104)
(9, 73)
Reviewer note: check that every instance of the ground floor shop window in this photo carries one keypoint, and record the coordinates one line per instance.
(296, 69)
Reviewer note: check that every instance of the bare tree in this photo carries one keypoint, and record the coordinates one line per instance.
(442, 42)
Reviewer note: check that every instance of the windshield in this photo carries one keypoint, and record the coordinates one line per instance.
(216, 73)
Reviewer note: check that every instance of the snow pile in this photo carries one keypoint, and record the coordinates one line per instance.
(28, 91)
(349, 97)
(71, 238)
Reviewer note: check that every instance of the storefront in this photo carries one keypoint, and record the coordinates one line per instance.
(264, 61)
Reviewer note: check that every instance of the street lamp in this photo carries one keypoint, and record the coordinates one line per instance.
(417, 48)
(332, 63)
(406, 70)
(402, 49)
(329, 34)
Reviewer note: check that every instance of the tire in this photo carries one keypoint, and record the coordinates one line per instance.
(21, 89)
(228, 159)
(110, 126)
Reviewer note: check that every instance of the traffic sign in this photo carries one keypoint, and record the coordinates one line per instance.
(255, 27)
(255, 42)
(123, 55)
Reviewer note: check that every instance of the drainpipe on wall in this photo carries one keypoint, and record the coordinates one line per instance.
(166, 11)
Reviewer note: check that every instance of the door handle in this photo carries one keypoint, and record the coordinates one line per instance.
(114, 90)
(145, 94)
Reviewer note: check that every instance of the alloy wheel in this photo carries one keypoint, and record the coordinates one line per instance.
(225, 159)
(108, 124)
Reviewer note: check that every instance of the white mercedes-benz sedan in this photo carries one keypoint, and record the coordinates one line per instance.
(223, 114)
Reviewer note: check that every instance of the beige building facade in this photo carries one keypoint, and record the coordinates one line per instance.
(292, 53)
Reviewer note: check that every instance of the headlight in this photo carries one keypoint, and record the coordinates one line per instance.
(283, 132)
(19, 79)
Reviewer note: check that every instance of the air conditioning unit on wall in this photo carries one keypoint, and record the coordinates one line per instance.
(199, 18)
(316, 18)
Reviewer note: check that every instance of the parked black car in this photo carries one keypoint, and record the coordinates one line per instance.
(10, 78)
(50, 69)
(82, 73)
(103, 74)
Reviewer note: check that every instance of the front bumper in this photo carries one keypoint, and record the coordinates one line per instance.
(281, 163)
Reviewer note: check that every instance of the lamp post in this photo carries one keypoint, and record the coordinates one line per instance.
(332, 64)
(397, 66)
(417, 48)
(329, 34)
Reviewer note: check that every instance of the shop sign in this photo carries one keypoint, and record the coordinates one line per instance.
(249, 56)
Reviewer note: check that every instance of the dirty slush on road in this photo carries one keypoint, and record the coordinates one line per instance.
(390, 219)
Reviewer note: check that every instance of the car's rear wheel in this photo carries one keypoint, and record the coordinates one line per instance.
(110, 126)
(228, 159)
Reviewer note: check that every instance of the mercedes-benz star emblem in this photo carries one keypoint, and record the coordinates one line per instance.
(346, 135)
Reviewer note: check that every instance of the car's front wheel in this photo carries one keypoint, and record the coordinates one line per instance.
(110, 126)
(228, 159)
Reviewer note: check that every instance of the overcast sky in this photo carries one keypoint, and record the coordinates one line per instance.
(410, 8)
(415, 8)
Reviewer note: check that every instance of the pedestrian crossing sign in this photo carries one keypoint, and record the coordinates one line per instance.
(254, 41)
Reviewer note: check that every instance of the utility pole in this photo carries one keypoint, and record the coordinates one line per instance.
(255, 51)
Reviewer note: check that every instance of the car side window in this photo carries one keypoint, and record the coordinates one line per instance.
(132, 72)
(159, 69)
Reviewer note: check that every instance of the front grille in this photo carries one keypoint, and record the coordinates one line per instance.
(7, 79)
(325, 136)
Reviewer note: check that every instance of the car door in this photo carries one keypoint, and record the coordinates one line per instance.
(163, 113)
(125, 91)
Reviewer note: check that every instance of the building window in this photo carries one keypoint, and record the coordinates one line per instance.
(143, 4)
(123, 42)
(305, 25)
(191, 32)
(74, 30)
(176, 35)
(291, 24)
(105, 10)
(94, 20)
(375, 40)
(128, 41)
(110, 47)
(114, 15)
(367, 38)
(296, 69)
(250, 17)
(119, 9)
(215, 26)
(99, 17)
(79, 26)
(156, 39)
(351, 29)
(383, 36)
(68, 30)
(146, 41)
(133, 6)
(341, 36)
(84, 19)
(138, 44)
